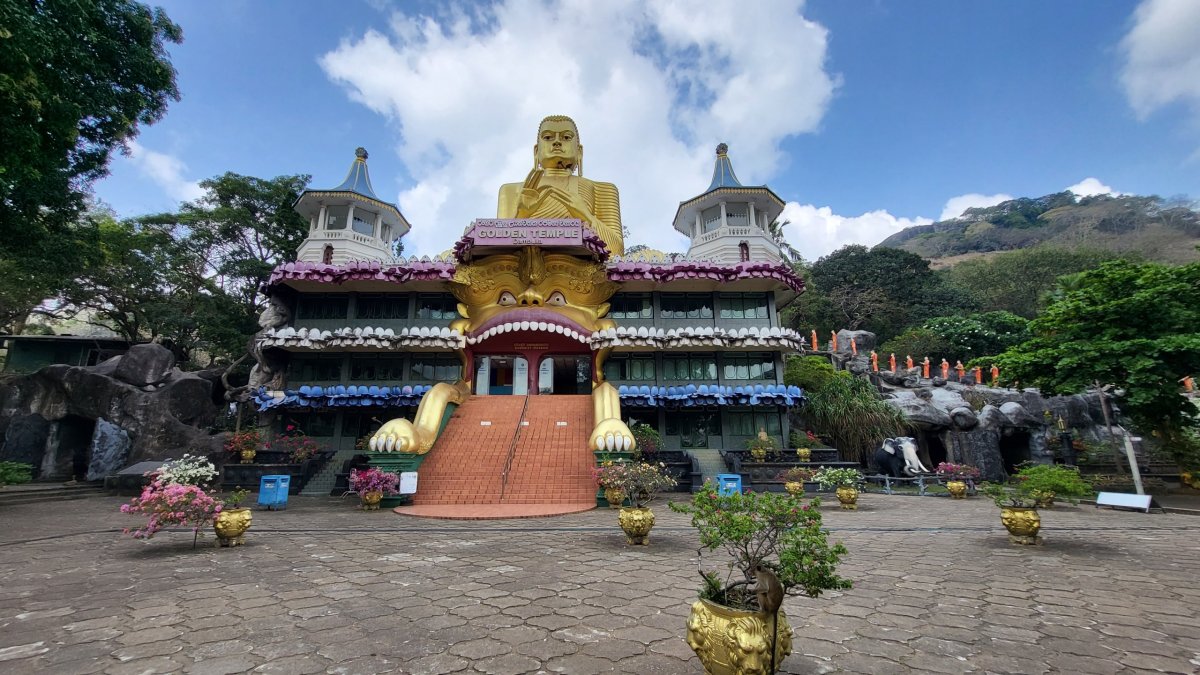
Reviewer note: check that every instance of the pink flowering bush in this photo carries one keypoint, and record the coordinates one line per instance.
(172, 504)
(957, 471)
(374, 480)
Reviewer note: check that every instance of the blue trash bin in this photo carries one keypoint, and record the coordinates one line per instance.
(273, 491)
(729, 484)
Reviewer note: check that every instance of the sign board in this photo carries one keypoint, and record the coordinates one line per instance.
(527, 232)
(1122, 500)
(408, 482)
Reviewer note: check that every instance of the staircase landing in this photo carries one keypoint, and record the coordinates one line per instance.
(509, 457)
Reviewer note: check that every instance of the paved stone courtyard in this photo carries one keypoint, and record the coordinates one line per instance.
(322, 587)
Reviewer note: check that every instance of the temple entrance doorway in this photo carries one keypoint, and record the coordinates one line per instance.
(501, 374)
(930, 450)
(568, 374)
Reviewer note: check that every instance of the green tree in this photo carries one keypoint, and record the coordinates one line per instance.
(1016, 281)
(918, 343)
(77, 77)
(974, 335)
(848, 412)
(1136, 326)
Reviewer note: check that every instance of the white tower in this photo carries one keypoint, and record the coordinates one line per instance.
(730, 221)
(349, 222)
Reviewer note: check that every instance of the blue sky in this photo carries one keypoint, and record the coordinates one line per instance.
(865, 116)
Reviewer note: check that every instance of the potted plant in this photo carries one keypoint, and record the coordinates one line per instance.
(1018, 512)
(844, 481)
(172, 504)
(232, 521)
(641, 482)
(372, 484)
(646, 439)
(773, 542)
(1047, 482)
(244, 445)
(761, 445)
(606, 479)
(187, 470)
(956, 477)
(795, 478)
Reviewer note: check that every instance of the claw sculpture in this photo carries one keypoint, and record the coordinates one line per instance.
(610, 433)
(417, 437)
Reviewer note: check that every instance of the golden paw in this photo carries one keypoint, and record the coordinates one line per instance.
(612, 435)
(395, 436)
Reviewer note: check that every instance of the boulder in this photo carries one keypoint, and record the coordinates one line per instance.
(964, 418)
(1018, 416)
(863, 339)
(144, 364)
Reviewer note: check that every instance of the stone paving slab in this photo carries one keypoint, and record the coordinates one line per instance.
(324, 588)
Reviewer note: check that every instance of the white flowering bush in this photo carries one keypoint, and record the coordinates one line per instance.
(186, 470)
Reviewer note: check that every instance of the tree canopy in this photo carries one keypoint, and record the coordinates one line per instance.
(1135, 326)
(77, 77)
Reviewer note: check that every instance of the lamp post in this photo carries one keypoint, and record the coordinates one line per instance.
(1068, 446)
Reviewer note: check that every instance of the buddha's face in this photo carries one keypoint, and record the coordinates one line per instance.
(558, 145)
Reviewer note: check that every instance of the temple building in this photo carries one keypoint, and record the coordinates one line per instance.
(534, 339)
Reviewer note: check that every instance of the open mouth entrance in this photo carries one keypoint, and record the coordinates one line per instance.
(509, 374)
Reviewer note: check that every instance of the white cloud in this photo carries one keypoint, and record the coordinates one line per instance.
(818, 231)
(1162, 56)
(166, 170)
(654, 87)
(955, 206)
(1092, 186)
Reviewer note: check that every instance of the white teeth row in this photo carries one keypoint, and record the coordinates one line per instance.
(644, 336)
(315, 338)
(523, 326)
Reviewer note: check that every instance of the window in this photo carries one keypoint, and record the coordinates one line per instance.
(743, 251)
(364, 222)
(737, 215)
(749, 367)
(744, 306)
(698, 368)
(335, 217)
(630, 368)
(376, 369)
(322, 307)
(382, 307)
(435, 368)
(693, 428)
(687, 306)
(749, 423)
(315, 369)
(437, 307)
(630, 307)
(311, 424)
(711, 218)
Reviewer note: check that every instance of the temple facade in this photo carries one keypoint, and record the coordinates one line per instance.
(535, 303)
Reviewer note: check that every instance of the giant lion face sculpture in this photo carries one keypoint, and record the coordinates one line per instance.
(532, 290)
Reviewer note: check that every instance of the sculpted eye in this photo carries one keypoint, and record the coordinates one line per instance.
(507, 299)
(556, 299)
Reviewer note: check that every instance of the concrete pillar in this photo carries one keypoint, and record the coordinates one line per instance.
(724, 223)
(322, 222)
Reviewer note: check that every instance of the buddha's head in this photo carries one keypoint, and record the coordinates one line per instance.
(558, 144)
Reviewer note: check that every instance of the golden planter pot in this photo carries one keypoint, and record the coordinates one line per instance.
(758, 454)
(794, 488)
(231, 525)
(615, 497)
(1022, 523)
(736, 642)
(1190, 479)
(848, 496)
(636, 523)
(248, 456)
(370, 500)
(957, 488)
(804, 454)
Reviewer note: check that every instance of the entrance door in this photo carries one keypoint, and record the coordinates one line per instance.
(501, 375)
(565, 375)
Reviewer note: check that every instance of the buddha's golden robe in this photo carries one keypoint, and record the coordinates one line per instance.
(567, 196)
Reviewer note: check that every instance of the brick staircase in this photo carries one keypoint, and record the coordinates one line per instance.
(511, 450)
(551, 463)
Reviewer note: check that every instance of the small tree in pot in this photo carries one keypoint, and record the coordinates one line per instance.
(775, 543)
(641, 483)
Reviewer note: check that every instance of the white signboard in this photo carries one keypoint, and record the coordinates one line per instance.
(408, 482)
(1124, 500)
(520, 376)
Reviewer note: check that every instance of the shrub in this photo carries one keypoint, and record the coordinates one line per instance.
(768, 529)
(831, 478)
(640, 481)
(646, 437)
(187, 470)
(916, 342)
(15, 473)
(172, 504)
(850, 415)
(374, 480)
(810, 373)
(957, 471)
(1065, 482)
(243, 441)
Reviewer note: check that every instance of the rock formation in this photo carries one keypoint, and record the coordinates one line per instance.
(86, 422)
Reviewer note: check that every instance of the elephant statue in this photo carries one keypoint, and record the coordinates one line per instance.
(898, 457)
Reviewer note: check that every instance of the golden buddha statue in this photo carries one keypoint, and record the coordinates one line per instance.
(553, 190)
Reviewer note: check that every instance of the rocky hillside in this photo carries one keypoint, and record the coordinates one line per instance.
(1159, 230)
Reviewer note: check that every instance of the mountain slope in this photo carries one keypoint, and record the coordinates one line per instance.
(1155, 229)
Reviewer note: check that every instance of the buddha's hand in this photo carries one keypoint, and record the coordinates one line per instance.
(398, 435)
(552, 199)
